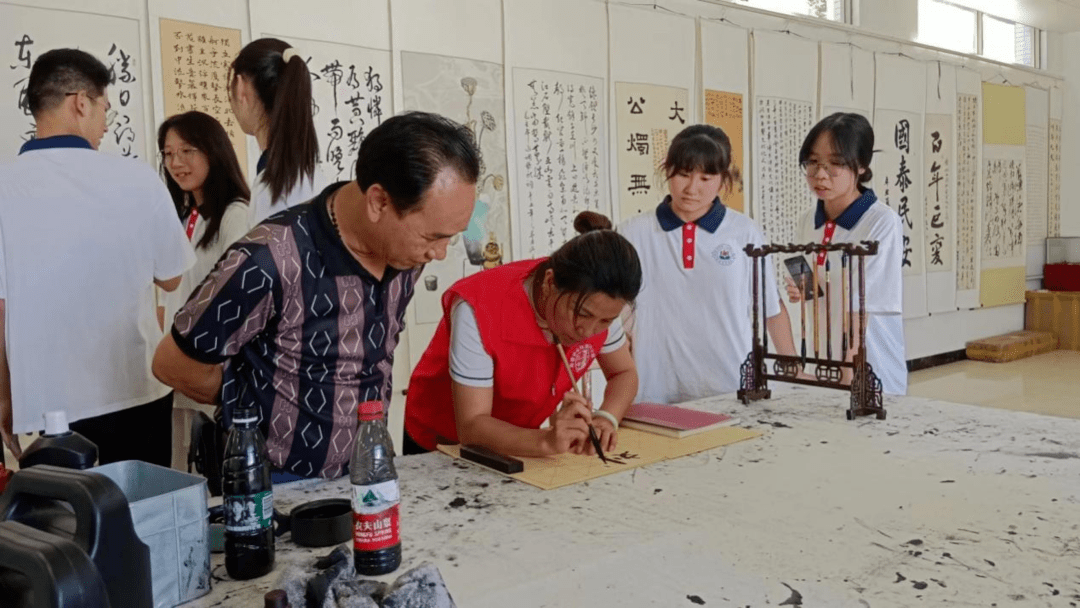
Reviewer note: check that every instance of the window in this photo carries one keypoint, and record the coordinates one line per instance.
(965, 30)
(949, 26)
(833, 10)
(1009, 42)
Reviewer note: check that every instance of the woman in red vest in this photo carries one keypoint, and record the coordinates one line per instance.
(493, 373)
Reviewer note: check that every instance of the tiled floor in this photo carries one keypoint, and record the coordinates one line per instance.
(1045, 384)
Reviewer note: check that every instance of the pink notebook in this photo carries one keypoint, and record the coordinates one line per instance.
(672, 420)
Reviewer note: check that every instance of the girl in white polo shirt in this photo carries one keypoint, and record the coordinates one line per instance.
(692, 328)
(211, 198)
(270, 94)
(836, 158)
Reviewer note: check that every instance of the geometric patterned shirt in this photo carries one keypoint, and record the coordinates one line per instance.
(305, 334)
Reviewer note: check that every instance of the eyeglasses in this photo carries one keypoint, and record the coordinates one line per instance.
(833, 169)
(183, 154)
(110, 114)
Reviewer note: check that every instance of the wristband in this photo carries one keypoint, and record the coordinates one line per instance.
(610, 418)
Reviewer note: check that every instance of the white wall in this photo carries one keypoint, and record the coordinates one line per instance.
(895, 19)
(1070, 136)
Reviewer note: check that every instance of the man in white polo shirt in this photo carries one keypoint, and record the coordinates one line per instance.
(84, 237)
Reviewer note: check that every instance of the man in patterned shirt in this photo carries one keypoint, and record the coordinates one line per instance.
(300, 317)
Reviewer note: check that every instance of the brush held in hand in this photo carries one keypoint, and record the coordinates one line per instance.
(593, 438)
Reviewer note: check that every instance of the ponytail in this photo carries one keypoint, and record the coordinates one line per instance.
(284, 88)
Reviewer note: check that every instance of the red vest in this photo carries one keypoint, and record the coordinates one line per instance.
(530, 378)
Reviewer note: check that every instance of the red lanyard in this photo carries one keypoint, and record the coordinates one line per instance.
(191, 223)
(826, 238)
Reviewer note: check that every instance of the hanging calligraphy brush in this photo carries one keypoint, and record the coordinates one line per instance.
(817, 332)
(802, 315)
(844, 312)
(828, 313)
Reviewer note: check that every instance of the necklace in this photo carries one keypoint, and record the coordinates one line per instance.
(333, 216)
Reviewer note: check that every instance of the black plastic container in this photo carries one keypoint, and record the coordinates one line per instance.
(248, 500)
(60, 446)
(90, 510)
(41, 570)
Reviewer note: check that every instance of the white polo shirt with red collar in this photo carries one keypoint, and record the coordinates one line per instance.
(692, 328)
(866, 219)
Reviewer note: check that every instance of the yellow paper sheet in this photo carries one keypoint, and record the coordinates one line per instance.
(1004, 118)
(998, 286)
(195, 60)
(636, 449)
(725, 110)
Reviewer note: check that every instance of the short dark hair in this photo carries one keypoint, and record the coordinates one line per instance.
(598, 260)
(406, 152)
(58, 72)
(225, 181)
(853, 141)
(702, 148)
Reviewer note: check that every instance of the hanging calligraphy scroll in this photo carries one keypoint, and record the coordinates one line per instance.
(898, 166)
(939, 195)
(195, 60)
(967, 195)
(560, 140)
(938, 153)
(1053, 212)
(782, 196)
(725, 53)
(725, 110)
(28, 32)
(350, 93)
(898, 179)
(647, 118)
(1002, 243)
(470, 92)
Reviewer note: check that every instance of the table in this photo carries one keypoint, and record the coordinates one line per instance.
(941, 504)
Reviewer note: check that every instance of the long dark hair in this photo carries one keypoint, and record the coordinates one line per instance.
(852, 139)
(598, 260)
(224, 182)
(284, 88)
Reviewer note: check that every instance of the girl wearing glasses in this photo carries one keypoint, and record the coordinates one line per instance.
(208, 189)
(836, 158)
(270, 94)
(692, 328)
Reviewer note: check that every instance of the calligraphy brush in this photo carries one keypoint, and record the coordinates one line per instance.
(802, 314)
(843, 303)
(817, 329)
(573, 383)
(828, 313)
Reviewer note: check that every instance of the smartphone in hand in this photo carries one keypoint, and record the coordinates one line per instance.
(800, 271)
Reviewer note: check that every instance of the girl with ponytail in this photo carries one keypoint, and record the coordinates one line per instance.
(270, 94)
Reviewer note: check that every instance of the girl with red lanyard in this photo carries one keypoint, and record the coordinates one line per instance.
(836, 157)
(692, 328)
(493, 372)
(210, 194)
